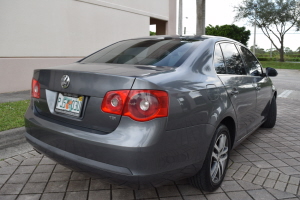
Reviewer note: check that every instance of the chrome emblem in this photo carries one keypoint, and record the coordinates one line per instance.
(65, 81)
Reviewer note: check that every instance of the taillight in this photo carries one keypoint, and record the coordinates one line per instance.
(140, 105)
(144, 105)
(114, 101)
(35, 89)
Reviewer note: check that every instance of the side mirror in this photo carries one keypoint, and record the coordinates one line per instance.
(271, 71)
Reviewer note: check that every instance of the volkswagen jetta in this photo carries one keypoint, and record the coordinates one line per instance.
(147, 111)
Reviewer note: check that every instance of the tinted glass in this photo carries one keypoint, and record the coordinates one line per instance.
(233, 60)
(145, 52)
(252, 65)
(219, 61)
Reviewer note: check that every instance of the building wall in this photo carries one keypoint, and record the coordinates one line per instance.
(63, 29)
(172, 22)
(16, 73)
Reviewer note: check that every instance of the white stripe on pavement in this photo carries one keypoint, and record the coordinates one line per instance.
(285, 94)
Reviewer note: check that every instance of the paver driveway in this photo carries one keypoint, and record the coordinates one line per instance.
(265, 166)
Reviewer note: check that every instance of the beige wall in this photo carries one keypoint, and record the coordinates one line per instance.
(16, 73)
(63, 27)
(155, 8)
(44, 33)
(172, 22)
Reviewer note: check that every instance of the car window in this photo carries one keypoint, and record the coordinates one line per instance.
(219, 60)
(253, 67)
(233, 60)
(157, 52)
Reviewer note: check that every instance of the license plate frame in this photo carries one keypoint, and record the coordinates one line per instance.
(69, 104)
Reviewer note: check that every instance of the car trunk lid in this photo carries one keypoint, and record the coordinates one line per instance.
(89, 82)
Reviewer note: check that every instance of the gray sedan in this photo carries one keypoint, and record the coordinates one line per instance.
(148, 111)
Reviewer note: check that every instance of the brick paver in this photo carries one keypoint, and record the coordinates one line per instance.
(265, 166)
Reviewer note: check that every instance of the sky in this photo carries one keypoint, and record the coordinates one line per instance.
(221, 12)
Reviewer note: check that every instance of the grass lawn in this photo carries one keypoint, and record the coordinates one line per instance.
(280, 65)
(12, 114)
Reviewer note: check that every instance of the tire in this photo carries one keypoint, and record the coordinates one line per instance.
(272, 114)
(215, 161)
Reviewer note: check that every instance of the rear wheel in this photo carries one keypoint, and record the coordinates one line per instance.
(271, 119)
(210, 177)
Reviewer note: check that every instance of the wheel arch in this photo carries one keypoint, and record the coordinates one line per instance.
(230, 124)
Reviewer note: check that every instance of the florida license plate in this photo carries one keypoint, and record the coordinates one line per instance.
(70, 105)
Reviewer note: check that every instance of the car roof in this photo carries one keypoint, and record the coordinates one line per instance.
(191, 37)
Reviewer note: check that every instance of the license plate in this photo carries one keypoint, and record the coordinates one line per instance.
(70, 105)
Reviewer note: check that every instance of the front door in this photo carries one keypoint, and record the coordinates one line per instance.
(261, 83)
(239, 86)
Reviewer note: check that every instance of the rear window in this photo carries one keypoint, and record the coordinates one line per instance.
(145, 52)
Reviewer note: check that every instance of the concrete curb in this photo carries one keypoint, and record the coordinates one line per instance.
(13, 142)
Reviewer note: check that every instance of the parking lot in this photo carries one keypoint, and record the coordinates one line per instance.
(265, 166)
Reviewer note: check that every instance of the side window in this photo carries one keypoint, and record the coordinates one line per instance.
(219, 61)
(252, 65)
(233, 61)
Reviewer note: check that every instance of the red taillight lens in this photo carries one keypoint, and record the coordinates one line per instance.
(35, 89)
(114, 101)
(140, 105)
(144, 105)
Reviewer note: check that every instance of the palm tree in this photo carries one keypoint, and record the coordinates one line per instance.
(180, 18)
(200, 28)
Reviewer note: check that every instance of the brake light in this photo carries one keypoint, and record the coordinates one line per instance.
(140, 105)
(144, 105)
(114, 101)
(35, 89)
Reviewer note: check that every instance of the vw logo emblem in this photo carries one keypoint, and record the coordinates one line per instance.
(65, 81)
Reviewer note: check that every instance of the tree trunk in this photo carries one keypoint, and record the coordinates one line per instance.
(200, 28)
(281, 51)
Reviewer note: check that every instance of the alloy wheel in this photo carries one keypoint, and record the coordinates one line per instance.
(219, 158)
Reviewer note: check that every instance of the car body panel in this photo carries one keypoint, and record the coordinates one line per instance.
(91, 85)
(244, 102)
(143, 150)
(263, 93)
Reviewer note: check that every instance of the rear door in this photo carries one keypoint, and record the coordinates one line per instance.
(231, 70)
(261, 83)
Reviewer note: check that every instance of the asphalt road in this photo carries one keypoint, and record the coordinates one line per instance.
(288, 81)
(14, 96)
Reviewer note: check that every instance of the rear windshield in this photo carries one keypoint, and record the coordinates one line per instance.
(145, 52)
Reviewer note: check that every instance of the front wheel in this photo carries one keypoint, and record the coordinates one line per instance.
(210, 177)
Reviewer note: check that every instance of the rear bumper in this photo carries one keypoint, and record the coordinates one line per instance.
(135, 155)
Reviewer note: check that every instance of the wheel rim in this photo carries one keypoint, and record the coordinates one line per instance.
(219, 158)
